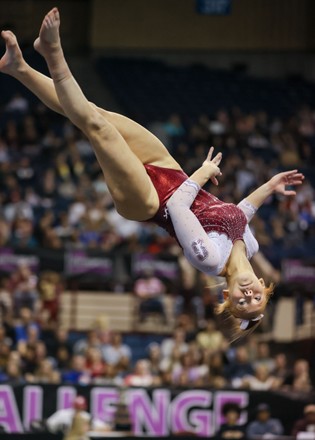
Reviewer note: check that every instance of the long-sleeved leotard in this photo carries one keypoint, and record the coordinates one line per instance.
(210, 251)
(204, 226)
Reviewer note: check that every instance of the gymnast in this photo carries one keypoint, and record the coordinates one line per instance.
(147, 184)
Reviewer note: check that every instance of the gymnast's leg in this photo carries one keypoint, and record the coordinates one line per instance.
(133, 192)
(147, 147)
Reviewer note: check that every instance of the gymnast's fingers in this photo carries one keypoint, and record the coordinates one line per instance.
(209, 156)
(214, 180)
(289, 193)
(217, 159)
(293, 178)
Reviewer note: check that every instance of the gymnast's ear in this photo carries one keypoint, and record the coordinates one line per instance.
(225, 294)
(262, 282)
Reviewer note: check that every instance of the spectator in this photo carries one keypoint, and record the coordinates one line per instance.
(45, 373)
(141, 376)
(23, 233)
(32, 338)
(177, 341)
(149, 291)
(15, 357)
(211, 339)
(263, 357)
(110, 377)
(261, 380)
(154, 357)
(187, 322)
(94, 362)
(63, 230)
(24, 288)
(48, 189)
(306, 423)
(28, 359)
(60, 347)
(169, 364)
(45, 228)
(264, 424)
(217, 374)
(40, 351)
(25, 320)
(91, 339)
(239, 367)
(77, 209)
(5, 297)
(281, 370)
(116, 353)
(231, 429)
(61, 420)
(77, 373)
(12, 374)
(5, 232)
(299, 379)
(50, 288)
(18, 209)
(63, 358)
(4, 355)
(188, 372)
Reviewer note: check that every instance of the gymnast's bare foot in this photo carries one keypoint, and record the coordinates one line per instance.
(49, 39)
(12, 62)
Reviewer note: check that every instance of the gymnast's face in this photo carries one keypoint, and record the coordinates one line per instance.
(247, 295)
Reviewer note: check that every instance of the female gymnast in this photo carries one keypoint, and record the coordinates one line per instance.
(146, 183)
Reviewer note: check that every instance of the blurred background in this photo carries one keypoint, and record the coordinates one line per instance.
(89, 299)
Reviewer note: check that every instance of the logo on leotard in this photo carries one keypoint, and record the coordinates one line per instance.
(166, 214)
(200, 249)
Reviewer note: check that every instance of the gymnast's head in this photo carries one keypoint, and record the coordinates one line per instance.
(245, 299)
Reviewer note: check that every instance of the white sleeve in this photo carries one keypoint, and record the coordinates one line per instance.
(248, 209)
(197, 246)
(60, 421)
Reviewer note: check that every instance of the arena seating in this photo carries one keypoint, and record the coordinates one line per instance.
(152, 90)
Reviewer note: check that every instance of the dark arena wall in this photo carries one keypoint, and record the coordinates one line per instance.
(272, 25)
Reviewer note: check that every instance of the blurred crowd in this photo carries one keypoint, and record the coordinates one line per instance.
(36, 349)
(53, 194)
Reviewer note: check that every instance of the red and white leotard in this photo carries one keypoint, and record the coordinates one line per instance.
(204, 226)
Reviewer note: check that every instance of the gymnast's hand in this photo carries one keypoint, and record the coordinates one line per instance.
(212, 166)
(279, 182)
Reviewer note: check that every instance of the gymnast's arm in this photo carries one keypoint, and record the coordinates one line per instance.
(190, 234)
(277, 184)
(197, 246)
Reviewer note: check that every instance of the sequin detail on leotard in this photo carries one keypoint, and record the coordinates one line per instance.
(213, 214)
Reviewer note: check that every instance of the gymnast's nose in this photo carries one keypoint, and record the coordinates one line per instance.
(248, 292)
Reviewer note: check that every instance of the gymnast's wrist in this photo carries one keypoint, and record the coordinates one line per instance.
(209, 170)
(269, 189)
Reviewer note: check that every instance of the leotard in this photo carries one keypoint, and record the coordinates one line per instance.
(204, 226)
